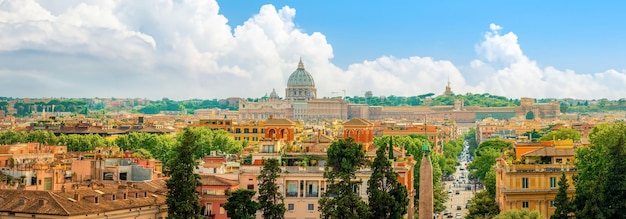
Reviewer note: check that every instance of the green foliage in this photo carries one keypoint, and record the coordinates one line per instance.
(339, 200)
(530, 115)
(160, 146)
(532, 135)
(562, 134)
(73, 106)
(208, 140)
(520, 214)
(562, 203)
(182, 195)
(470, 137)
(603, 105)
(88, 142)
(490, 182)
(165, 104)
(240, 205)
(413, 146)
(485, 162)
(483, 100)
(143, 154)
(600, 185)
(482, 206)
(270, 198)
(486, 154)
(387, 197)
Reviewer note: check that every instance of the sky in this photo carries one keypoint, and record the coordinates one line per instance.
(184, 49)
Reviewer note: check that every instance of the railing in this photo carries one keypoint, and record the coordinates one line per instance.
(295, 169)
(292, 194)
(531, 168)
(311, 194)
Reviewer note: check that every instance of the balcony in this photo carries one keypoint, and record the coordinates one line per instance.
(535, 168)
(292, 194)
(311, 194)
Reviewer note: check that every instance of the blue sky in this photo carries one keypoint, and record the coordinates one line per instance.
(563, 34)
(236, 48)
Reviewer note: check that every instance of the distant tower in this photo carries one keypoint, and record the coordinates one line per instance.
(448, 91)
(426, 185)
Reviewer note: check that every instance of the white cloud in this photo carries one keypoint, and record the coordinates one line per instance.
(186, 49)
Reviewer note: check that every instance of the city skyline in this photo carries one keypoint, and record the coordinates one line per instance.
(201, 49)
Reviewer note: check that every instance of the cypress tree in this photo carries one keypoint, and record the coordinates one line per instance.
(270, 199)
(182, 196)
(561, 201)
(387, 197)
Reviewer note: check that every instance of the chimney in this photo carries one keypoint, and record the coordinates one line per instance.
(76, 196)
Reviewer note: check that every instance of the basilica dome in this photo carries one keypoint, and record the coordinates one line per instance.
(300, 77)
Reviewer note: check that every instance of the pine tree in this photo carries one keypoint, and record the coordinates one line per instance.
(270, 199)
(182, 195)
(561, 201)
(387, 197)
(240, 205)
(339, 200)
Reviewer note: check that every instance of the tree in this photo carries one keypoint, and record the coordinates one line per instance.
(240, 205)
(600, 185)
(519, 214)
(482, 206)
(490, 182)
(530, 115)
(182, 195)
(340, 199)
(485, 162)
(562, 134)
(270, 198)
(561, 201)
(387, 197)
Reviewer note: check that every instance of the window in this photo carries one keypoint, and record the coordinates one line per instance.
(552, 182)
(96, 199)
(268, 149)
(524, 183)
(311, 207)
(552, 204)
(222, 209)
(251, 186)
(292, 189)
(113, 197)
(123, 176)
(291, 207)
(524, 204)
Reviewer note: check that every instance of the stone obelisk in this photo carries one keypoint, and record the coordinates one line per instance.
(426, 184)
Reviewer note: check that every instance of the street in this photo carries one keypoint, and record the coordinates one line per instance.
(459, 189)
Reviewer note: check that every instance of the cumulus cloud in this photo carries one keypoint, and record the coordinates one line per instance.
(508, 72)
(186, 49)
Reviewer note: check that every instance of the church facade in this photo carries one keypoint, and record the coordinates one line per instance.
(300, 102)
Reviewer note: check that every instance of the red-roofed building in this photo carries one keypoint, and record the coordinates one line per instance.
(213, 195)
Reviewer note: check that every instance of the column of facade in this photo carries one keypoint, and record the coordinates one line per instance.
(319, 188)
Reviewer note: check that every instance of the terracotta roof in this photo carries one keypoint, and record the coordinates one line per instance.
(358, 122)
(322, 139)
(282, 121)
(63, 203)
(550, 152)
(212, 180)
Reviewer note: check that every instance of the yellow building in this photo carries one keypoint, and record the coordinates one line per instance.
(532, 181)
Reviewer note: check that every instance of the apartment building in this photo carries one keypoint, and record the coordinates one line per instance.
(531, 181)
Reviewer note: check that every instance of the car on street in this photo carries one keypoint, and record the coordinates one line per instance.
(458, 207)
(457, 192)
